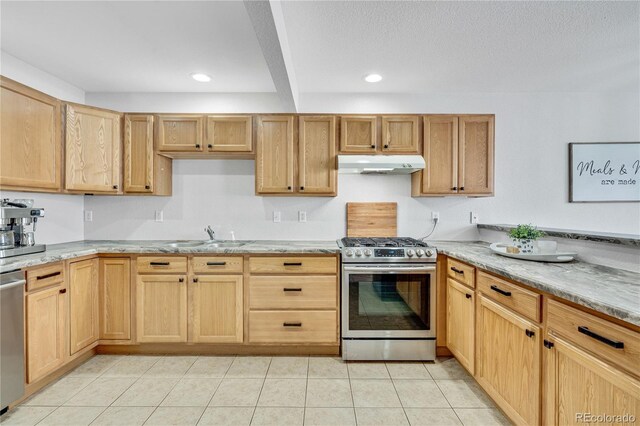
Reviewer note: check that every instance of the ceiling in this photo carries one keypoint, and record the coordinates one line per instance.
(418, 47)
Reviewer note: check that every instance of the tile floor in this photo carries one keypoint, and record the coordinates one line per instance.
(190, 390)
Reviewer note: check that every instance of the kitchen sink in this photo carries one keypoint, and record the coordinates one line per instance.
(192, 244)
(223, 244)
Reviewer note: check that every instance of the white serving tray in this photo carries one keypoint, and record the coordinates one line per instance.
(557, 257)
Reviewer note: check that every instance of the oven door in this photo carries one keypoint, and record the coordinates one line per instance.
(388, 301)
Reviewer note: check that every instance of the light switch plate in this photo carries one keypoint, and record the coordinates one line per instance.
(159, 216)
(277, 218)
(302, 216)
(88, 215)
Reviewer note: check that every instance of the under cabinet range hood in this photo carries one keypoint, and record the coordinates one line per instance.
(380, 164)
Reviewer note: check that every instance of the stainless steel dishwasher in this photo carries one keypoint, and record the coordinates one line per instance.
(11, 338)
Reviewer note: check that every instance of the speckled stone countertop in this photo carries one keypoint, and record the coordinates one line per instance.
(57, 252)
(614, 292)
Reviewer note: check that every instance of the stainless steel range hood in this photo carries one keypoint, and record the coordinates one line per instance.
(380, 164)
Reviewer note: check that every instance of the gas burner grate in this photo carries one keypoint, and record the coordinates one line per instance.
(382, 242)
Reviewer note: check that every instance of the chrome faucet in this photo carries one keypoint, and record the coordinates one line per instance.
(211, 232)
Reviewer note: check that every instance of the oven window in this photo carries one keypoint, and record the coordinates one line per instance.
(389, 302)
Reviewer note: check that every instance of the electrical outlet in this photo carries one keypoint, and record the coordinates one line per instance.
(435, 215)
(88, 216)
(159, 216)
(302, 216)
(473, 217)
(277, 217)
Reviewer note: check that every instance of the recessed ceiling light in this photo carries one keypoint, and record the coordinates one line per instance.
(202, 78)
(373, 78)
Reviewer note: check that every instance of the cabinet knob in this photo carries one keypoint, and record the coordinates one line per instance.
(64, 290)
(373, 146)
(195, 280)
(180, 280)
(147, 187)
(468, 295)
(462, 188)
(197, 145)
(289, 188)
(302, 188)
(386, 146)
(209, 146)
(115, 186)
(455, 188)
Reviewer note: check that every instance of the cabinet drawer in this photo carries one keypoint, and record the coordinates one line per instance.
(293, 292)
(523, 301)
(605, 339)
(162, 264)
(292, 265)
(461, 272)
(45, 276)
(217, 264)
(293, 327)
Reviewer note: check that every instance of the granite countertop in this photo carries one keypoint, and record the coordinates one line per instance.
(614, 292)
(57, 252)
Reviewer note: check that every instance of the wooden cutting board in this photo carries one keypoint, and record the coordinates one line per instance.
(372, 219)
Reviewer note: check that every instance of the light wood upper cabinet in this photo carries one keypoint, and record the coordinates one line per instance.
(229, 133)
(30, 139)
(475, 154)
(83, 304)
(217, 308)
(161, 312)
(460, 323)
(440, 175)
(93, 149)
(179, 133)
(144, 170)
(317, 169)
(358, 134)
(115, 299)
(275, 154)
(401, 134)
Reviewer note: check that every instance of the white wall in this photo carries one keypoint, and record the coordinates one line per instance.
(63, 213)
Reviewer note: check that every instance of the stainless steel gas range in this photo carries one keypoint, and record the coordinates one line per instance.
(388, 299)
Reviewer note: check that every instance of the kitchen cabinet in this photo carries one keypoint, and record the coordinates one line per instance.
(229, 133)
(275, 155)
(317, 168)
(30, 139)
(401, 134)
(475, 154)
(83, 304)
(115, 299)
(161, 311)
(93, 150)
(508, 360)
(461, 323)
(145, 172)
(179, 133)
(440, 175)
(217, 308)
(358, 134)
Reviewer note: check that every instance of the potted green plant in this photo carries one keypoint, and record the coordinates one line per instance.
(523, 237)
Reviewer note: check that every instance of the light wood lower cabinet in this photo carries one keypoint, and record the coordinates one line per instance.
(115, 299)
(161, 308)
(216, 304)
(83, 304)
(460, 323)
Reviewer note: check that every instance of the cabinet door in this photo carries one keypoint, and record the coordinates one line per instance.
(229, 133)
(217, 308)
(317, 155)
(179, 133)
(138, 153)
(440, 175)
(508, 361)
(45, 332)
(578, 384)
(83, 304)
(358, 134)
(161, 312)
(401, 134)
(30, 139)
(115, 299)
(92, 149)
(274, 155)
(460, 323)
(475, 155)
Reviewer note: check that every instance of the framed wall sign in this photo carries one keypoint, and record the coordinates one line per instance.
(604, 172)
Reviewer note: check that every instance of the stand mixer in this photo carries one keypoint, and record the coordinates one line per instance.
(15, 238)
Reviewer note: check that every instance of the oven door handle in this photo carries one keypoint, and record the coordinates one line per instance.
(389, 270)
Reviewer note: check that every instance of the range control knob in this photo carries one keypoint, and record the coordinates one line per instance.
(410, 252)
(358, 252)
(420, 252)
(349, 252)
(368, 252)
(429, 253)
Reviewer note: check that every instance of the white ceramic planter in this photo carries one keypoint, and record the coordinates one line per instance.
(525, 245)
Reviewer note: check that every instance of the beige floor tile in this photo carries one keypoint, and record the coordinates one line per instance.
(482, 417)
(381, 417)
(327, 368)
(96, 366)
(171, 366)
(278, 416)
(408, 370)
(464, 394)
(26, 416)
(118, 416)
(368, 370)
(101, 392)
(146, 392)
(329, 393)
(420, 394)
(432, 417)
(329, 417)
(225, 416)
(283, 393)
(59, 392)
(76, 416)
(288, 368)
(447, 369)
(254, 367)
(179, 416)
(210, 366)
(131, 366)
(192, 392)
(237, 393)
(374, 393)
